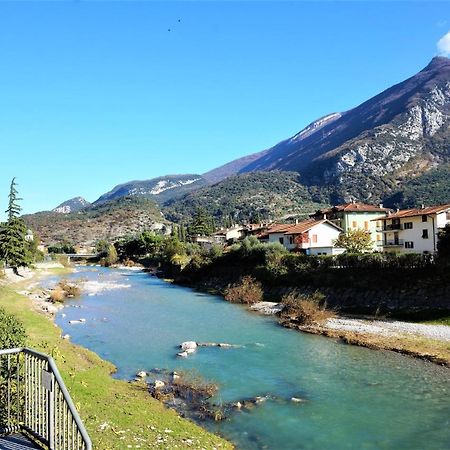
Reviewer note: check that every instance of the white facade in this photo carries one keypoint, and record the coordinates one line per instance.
(412, 232)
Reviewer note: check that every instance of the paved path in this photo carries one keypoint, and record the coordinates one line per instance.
(16, 442)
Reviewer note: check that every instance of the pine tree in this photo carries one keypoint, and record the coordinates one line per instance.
(201, 224)
(13, 243)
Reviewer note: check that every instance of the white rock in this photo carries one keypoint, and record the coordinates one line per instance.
(66, 336)
(182, 354)
(188, 344)
(158, 384)
(141, 374)
(190, 350)
(297, 400)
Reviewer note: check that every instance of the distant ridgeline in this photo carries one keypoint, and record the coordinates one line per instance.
(393, 148)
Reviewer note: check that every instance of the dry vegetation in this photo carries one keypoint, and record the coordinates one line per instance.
(65, 289)
(247, 290)
(306, 310)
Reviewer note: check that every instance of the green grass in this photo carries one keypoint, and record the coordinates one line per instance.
(441, 321)
(133, 418)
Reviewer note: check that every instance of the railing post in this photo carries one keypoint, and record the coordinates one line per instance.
(50, 408)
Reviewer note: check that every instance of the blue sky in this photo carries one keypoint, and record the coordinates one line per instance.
(97, 93)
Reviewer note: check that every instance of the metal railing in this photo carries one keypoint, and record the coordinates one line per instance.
(33, 398)
(394, 243)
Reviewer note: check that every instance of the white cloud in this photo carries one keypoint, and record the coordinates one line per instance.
(443, 45)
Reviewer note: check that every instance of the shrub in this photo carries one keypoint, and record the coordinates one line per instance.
(247, 290)
(63, 290)
(12, 332)
(307, 310)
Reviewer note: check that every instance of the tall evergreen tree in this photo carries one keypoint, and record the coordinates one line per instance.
(201, 224)
(13, 243)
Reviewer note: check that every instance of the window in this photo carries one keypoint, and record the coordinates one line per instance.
(291, 240)
(366, 226)
(424, 234)
(379, 225)
(314, 238)
(379, 237)
(354, 224)
(281, 240)
(409, 244)
(424, 218)
(408, 225)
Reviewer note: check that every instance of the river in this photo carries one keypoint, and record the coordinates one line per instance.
(355, 398)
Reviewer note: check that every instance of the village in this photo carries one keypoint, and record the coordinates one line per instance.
(413, 230)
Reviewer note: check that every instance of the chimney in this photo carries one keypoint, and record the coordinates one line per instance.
(422, 206)
(296, 221)
(397, 210)
(381, 205)
(325, 217)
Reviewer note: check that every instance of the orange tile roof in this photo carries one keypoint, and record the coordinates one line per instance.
(307, 225)
(355, 207)
(280, 228)
(416, 212)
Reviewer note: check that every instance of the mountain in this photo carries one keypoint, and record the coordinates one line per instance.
(73, 205)
(108, 220)
(262, 195)
(161, 189)
(370, 151)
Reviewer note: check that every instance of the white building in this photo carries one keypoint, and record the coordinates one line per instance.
(227, 235)
(312, 237)
(356, 216)
(414, 230)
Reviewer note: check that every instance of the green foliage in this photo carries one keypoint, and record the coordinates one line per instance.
(355, 241)
(14, 248)
(252, 197)
(12, 332)
(443, 245)
(202, 224)
(431, 188)
(64, 248)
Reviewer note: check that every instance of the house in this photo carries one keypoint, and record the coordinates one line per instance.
(313, 237)
(354, 216)
(275, 233)
(226, 235)
(413, 230)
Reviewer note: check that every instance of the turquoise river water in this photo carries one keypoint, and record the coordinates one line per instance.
(356, 398)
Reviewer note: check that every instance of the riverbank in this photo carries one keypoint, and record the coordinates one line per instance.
(117, 414)
(426, 341)
(429, 342)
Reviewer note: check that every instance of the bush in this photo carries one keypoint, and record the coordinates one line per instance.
(247, 290)
(63, 290)
(12, 332)
(306, 310)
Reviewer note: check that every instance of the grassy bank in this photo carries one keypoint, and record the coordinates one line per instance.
(117, 414)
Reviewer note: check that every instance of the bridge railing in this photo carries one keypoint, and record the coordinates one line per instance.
(33, 398)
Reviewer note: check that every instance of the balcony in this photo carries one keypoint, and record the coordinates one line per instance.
(390, 227)
(394, 243)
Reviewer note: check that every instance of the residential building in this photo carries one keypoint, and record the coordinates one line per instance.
(276, 233)
(227, 235)
(313, 237)
(354, 216)
(414, 230)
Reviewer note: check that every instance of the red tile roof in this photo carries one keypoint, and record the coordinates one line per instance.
(280, 228)
(355, 207)
(306, 225)
(416, 212)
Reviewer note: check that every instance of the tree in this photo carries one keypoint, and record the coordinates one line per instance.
(443, 244)
(355, 241)
(13, 242)
(201, 224)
